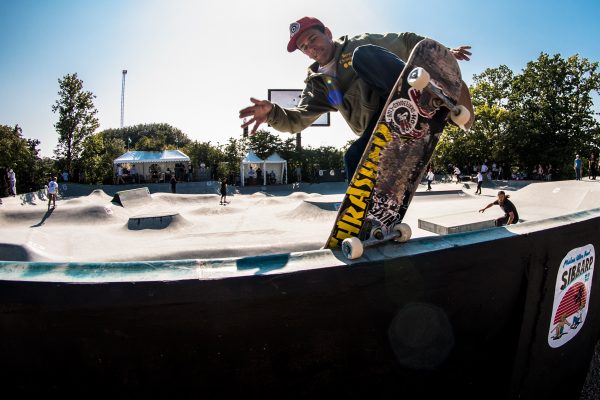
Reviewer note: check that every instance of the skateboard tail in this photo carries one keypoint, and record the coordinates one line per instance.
(360, 190)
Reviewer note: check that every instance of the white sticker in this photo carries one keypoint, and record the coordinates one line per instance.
(571, 295)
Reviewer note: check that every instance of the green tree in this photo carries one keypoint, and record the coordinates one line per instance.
(542, 115)
(76, 118)
(264, 143)
(485, 139)
(552, 116)
(21, 155)
(294, 158)
(150, 137)
(204, 152)
(234, 152)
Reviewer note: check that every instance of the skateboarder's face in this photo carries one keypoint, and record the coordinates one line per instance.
(317, 45)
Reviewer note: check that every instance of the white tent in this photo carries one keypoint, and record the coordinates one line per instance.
(273, 163)
(251, 160)
(166, 158)
(278, 165)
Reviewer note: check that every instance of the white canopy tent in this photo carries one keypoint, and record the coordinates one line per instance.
(273, 163)
(251, 160)
(166, 158)
(278, 165)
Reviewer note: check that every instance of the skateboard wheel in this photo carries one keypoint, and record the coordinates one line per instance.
(404, 232)
(352, 248)
(460, 115)
(418, 78)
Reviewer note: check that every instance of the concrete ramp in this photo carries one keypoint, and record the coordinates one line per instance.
(132, 197)
(565, 195)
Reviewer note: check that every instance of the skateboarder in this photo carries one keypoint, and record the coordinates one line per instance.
(223, 191)
(479, 182)
(351, 75)
(52, 192)
(430, 177)
(511, 216)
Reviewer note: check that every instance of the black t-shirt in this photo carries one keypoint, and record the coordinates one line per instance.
(507, 206)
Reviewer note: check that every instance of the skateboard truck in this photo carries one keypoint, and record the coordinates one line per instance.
(353, 247)
(420, 79)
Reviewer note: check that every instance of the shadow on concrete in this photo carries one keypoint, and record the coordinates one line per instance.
(44, 218)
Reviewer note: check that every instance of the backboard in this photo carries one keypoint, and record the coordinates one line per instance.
(289, 98)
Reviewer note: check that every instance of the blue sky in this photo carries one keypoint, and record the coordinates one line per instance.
(194, 64)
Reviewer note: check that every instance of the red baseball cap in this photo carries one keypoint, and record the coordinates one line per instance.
(296, 29)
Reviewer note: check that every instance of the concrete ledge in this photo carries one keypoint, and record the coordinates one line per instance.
(152, 221)
(456, 223)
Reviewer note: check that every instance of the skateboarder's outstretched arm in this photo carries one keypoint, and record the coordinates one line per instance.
(486, 207)
(259, 112)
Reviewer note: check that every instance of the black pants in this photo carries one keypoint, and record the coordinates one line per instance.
(503, 220)
(380, 69)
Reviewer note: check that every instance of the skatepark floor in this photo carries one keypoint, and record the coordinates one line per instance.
(90, 227)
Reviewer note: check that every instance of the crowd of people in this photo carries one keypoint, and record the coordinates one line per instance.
(255, 177)
(499, 171)
(592, 167)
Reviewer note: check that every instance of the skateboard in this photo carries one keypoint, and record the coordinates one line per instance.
(428, 93)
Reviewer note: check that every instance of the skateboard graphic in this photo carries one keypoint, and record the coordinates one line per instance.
(428, 93)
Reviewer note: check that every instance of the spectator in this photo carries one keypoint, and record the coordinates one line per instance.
(120, 174)
(593, 165)
(484, 168)
(457, 174)
(259, 176)
(549, 172)
(577, 166)
(173, 181)
(251, 176)
(134, 174)
(12, 182)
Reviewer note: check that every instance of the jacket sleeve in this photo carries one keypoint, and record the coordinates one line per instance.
(400, 44)
(313, 103)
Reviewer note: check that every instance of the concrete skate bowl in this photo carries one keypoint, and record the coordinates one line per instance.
(461, 314)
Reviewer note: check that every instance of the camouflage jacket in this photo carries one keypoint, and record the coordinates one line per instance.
(345, 93)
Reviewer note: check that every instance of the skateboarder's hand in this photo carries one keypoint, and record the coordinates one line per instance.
(258, 113)
(461, 53)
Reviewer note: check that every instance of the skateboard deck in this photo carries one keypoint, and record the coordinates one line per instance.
(400, 148)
